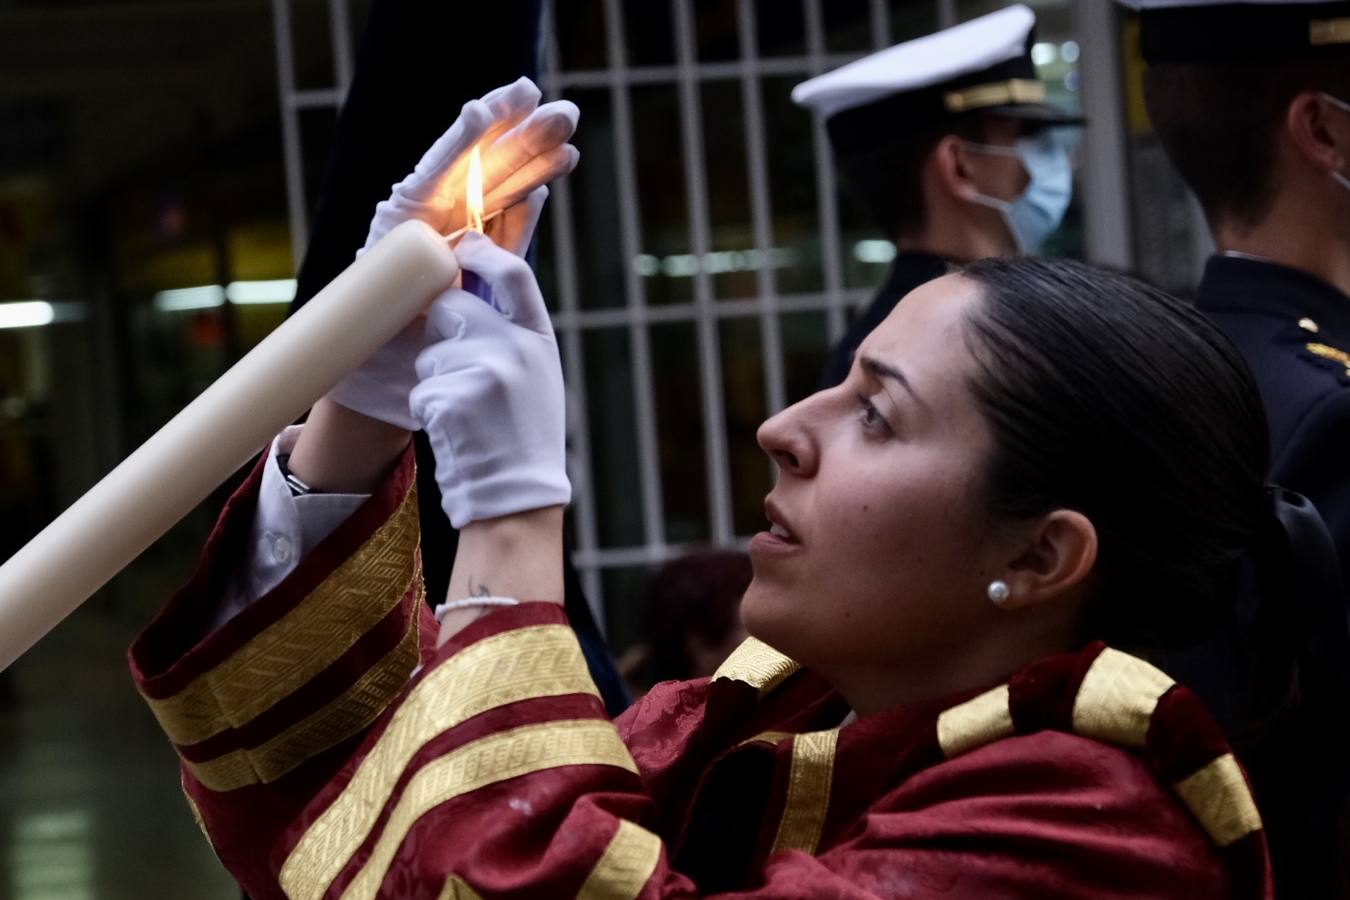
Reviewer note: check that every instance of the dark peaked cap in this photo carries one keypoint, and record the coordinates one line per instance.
(1200, 31)
(983, 65)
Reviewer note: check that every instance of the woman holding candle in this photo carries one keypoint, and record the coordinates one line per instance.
(925, 709)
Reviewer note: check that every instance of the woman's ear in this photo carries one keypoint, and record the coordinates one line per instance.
(949, 165)
(1059, 553)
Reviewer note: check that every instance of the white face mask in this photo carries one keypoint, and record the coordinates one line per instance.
(1342, 105)
(1033, 216)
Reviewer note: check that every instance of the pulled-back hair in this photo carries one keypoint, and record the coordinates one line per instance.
(1110, 397)
(1218, 122)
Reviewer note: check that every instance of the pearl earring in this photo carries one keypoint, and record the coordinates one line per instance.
(999, 592)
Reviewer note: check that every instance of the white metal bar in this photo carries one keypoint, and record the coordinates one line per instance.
(761, 217)
(339, 22)
(700, 239)
(290, 130)
(1107, 211)
(881, 24)
(630, 244)
(315, 98)
(578, 411)
(825, 187)
(706, 71)
(947, 16)
(690, 312)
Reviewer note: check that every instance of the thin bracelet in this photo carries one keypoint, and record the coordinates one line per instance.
(450, 606)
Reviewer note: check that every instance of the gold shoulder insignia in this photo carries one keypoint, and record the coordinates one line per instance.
(1334, 354)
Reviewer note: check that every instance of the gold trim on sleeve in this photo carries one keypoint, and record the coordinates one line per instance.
(308, 639)
(758, 665)
(808, 791)
(1328, 31)
(1116, 700)
(999, 93)
(457, 889)
(326, 727)
(979, 721)
(1218, 797)
(539, 661)
(626, 865)
(508, 754)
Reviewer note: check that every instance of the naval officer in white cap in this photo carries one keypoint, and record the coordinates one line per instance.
(948, 142)
(1251, 101)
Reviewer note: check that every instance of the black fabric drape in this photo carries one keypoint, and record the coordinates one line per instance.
(416, 65)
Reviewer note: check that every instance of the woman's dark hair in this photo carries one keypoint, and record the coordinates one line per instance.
(1115, 399)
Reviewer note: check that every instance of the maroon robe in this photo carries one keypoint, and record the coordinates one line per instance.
(320, 765)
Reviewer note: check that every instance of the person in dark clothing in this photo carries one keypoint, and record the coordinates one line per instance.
(399, 102)
(1251, 102)
(947, 142)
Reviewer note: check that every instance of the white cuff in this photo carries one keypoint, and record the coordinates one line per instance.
(285, 529)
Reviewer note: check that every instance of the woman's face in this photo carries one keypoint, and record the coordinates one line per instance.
(888, 549)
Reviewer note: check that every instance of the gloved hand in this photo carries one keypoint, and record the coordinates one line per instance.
(490, 394)
(522, 147)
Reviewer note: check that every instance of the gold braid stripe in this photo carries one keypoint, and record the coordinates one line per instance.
(1328, 31)
(1326, 351)
(539, 661)
(1000, 93)
(1218, 797)
(326, 727)
(508, 754)
(308, 639)
(625, 867)
(456, 889)
(757, 664)
(979, 721)
(808, 792)
(1116, 700)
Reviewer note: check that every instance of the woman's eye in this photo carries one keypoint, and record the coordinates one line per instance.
(870, 418)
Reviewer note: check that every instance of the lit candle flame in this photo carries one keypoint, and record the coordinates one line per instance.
(473, 193)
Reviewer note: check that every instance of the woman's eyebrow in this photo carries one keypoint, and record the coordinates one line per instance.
(881, 370)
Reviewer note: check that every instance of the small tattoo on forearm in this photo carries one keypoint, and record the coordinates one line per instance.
(481, 590)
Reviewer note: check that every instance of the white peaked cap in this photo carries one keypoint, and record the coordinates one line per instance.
(923, 62)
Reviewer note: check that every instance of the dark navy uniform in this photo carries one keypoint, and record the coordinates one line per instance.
(908, 271)
(1293, 328)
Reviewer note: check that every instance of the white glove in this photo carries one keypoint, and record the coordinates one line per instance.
(490, 396)
(522, 147)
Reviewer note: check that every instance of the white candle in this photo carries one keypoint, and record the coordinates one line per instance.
(218, 432)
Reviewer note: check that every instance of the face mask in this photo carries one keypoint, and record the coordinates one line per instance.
(1033, 216)
(1340, 104)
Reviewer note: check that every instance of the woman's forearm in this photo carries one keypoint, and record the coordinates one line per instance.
(519, 555)
(341, 451)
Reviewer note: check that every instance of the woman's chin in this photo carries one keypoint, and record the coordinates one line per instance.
(767, 615)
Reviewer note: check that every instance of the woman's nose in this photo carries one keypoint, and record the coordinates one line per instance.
(787, 438)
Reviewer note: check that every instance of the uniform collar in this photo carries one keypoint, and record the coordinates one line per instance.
(913, 267)
(1253, 284)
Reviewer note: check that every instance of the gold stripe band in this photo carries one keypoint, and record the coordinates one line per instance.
(509, 754)
(1322, 32)
(757, 664)
(1116, 700)
(457, 889)
(326, 727)
(1218, 797)
(308, 639)
(979, 721)
(808, 791)
(625, 867)
(539, 661)
(999, 93)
